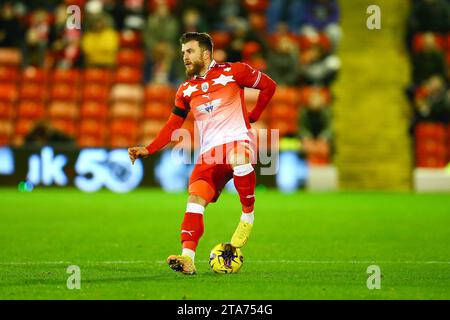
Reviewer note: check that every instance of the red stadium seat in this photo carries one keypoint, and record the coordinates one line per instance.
(221, 39)
(6, 130)
(9, 74)
(255, 5)
(249, 49)
(67, 126)
(431, 161)
(150, 128)
(289, 95)
(10, 57)
(67, 76)
(306, 41)
(130, 39)
(430, 130)
(119, 141)
(419, 42)
(94, 110)
(284, 127)
(307, 92)
(23, 127)
(157, 110)
(98, 76)
(96, 92)
(127, 92)
(87, 141)
(63, 110)
(8, 92)
(283, 111)
(64, 92)
(258, 21)
(124, 127)
(128, 75)
(126, 110)
(131, 58)
(31, 110)
(6, 110)
(33, 91)
(93, 128)
(34, 75)
(160, 93)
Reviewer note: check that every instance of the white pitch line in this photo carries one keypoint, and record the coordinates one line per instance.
(25, 263)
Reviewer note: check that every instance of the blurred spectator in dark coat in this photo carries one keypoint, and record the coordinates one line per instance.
(192, 21)
(317, 67)
(429, 61)
(242, 34)
(11, 31)
(432, 101)
(37, 38)
(315, 124)
(44, 134)
(282, 62)
(430, 15)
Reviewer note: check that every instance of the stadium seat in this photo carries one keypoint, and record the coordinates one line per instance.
(97, 76)
(250, 48)
(124, 127)
(128, 75)
(130, 58)
(157, 111)
(256, 5)
(306, 41)
(6, 110)
(284, 127)
(258, 21)
(33, 92)
(8, 92)
(6, 130)
(288, 95)
(23, 126)
(64, 92)
(283, 111)
(430, 130)
(95, 92)
(130, 39)
(125, 110)
(10, 57)
(63, 110)
(127, 92)
(30, 110)
(419, 41)
(94, 110)
(93, 128)
(120, 141)
(221, 39)
(67, 126)
(306, 92)
(34, 75)
(9, 74)
(87, 141)
(66, 76)
(431, 161)
(160, 93)
(150, 128)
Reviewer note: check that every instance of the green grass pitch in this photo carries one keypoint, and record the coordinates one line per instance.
(304, 246)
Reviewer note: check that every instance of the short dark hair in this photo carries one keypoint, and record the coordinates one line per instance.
(204, 39)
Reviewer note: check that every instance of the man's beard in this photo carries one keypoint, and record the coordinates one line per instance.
(197, 67)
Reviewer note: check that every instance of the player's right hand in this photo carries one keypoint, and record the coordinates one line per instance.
(136, 153)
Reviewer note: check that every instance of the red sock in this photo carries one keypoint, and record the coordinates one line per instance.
(192, 227)
(245, 182)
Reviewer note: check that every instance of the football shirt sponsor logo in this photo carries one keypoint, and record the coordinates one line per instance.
(209, 106)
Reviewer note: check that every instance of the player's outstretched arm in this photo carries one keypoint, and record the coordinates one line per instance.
(162, 139)
(267, 89)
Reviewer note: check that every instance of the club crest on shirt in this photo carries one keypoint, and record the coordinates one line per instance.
(205, 86)
(209, 107)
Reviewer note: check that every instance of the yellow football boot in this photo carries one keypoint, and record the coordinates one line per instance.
(241, 235)
(183, 264)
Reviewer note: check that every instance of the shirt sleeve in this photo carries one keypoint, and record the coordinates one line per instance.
(181, 107)
(245, 75)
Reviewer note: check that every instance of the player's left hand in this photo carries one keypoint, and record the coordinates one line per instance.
(136, 153)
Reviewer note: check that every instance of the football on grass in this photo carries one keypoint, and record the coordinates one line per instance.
(225, 258)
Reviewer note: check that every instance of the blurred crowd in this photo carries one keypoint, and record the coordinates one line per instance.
(428, 43)
(294, 41)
